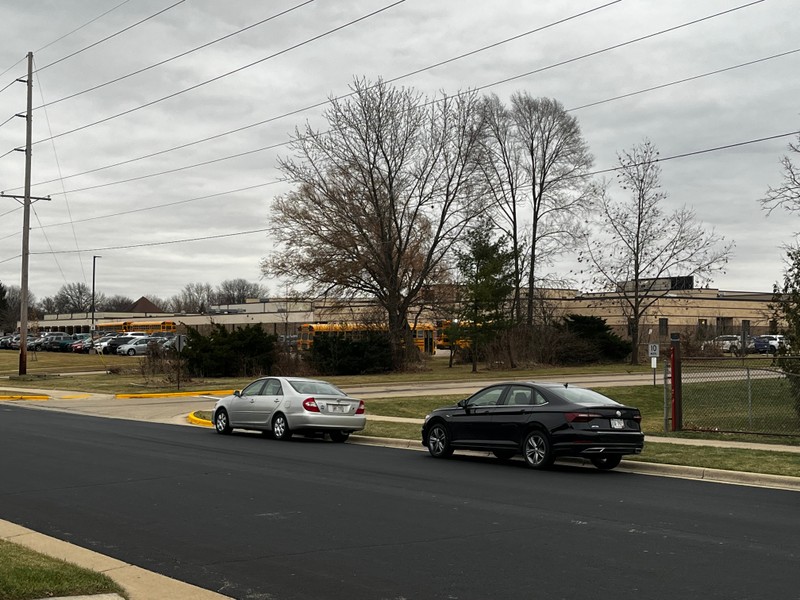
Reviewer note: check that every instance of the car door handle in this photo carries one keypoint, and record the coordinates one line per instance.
(252, 400)
(276, 401)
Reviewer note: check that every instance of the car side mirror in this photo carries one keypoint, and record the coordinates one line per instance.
(237, 393)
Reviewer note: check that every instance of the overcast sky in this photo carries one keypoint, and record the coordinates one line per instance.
(96, 170)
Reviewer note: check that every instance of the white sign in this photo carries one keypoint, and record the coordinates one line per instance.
(653, 350)
(180, 342)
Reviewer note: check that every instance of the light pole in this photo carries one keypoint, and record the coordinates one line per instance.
(94, 262)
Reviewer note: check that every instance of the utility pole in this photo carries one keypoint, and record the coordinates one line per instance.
(26, 226)
(26, 222)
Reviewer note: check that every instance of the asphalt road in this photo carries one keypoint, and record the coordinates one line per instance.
(254, 518)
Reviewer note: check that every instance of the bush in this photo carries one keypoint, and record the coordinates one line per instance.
(333, 354)
(243, 352)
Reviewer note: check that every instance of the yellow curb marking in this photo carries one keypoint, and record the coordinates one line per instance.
(198, 421)
(24, 397)
(176, 394)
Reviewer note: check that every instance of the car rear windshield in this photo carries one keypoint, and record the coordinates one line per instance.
(316, 387)
(583, 396)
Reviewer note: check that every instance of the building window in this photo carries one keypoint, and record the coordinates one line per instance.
(746, 328)
(663, 327)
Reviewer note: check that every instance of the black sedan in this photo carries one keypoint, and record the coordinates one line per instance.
(541, 421)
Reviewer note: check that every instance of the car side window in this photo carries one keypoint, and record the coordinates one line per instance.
(254, 389)
(488, 397)
(519, 396)
(273, 388)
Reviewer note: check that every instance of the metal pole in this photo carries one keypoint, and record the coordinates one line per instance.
(26, 225)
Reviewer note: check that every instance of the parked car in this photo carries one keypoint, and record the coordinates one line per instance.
(113, 344)
(5, 342)
(135, 346)
(100, 343)
(770, 344)
(35, 343)
(541, 421)
(726, 343)
(52, 340)
(288, 405)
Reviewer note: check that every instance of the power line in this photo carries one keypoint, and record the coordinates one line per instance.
(684, 80)
(97, 18)
(599, 172)
(165, 205)
(218, 77)
(279, 144)
(113, 35)
(617, 46)
(177, 56)
(324, 102)
(164, 243)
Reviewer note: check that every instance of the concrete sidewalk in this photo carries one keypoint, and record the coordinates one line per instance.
(137, 582)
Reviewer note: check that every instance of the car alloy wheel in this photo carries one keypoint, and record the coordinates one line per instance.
(439, 441)
(131, 352)
(221, 423)
(280, 427)
(536, 450)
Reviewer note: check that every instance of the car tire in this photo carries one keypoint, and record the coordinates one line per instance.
(221, 422)
(439, 441)
(734, 350)
(504, 454)
(537, 450)
(280, 427)
(131, 351)
(339, 436)
(606, 462)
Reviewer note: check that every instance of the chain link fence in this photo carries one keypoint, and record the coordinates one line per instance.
(742, 395)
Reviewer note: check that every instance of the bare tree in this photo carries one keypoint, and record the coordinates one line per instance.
(555, 167)
(115, 303)
(10, 315)
(73, 298)
(637, 243)
(194, 298)
(236, 291)
(380, 198)
(787, 195)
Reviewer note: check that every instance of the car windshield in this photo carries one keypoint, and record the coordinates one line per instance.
(316, 387)
(582, 396)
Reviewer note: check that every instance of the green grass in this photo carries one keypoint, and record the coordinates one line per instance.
(25, 574)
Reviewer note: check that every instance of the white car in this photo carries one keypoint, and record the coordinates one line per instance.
(287, 405)
(135, 346)
(726, 343)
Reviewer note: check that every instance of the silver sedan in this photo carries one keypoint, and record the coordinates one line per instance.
(287, 405)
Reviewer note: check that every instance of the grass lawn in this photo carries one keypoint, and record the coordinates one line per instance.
(25, 574)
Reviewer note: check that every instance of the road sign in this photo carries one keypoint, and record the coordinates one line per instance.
(653, 350)
(180, 342)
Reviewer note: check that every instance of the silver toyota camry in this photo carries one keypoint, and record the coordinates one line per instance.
(287, 405)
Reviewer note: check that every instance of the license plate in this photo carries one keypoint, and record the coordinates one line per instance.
(617, 424)
(337, 408)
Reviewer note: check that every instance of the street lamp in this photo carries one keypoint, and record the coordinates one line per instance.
(94, 262)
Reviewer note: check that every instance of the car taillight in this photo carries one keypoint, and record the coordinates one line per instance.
(360, 409)
(310, 405)
(575, 417)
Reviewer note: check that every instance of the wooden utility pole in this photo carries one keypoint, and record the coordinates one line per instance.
(26, 226)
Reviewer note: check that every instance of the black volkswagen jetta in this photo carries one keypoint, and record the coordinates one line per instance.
(541, 421)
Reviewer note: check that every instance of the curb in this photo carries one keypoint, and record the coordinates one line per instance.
(24, 397)
(177, 394)
(626, 466)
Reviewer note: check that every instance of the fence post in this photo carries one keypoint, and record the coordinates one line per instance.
(749, 399)
(677, 396)
(667, 388)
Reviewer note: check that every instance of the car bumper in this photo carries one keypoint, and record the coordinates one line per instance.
(589, 443)
(321, 422)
